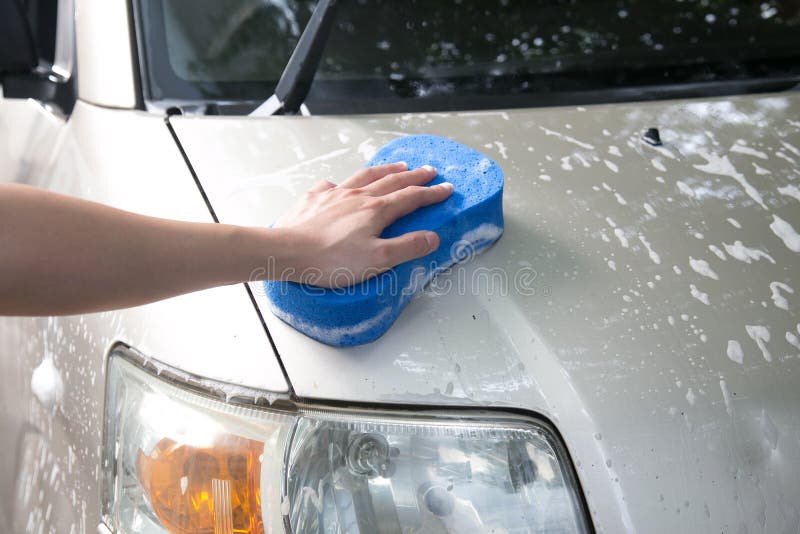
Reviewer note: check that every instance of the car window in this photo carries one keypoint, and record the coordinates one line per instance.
(388, 55)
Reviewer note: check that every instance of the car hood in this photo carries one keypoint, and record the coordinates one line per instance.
(643, 298)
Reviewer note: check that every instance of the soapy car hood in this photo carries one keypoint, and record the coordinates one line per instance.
(643, 298)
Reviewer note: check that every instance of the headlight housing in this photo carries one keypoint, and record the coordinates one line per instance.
(180, 461)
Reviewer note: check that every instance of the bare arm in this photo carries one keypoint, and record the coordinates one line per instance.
(62, 255)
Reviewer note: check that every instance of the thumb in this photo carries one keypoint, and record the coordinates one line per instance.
(409, 246)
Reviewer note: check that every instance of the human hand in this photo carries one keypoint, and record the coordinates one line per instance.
(331, 235)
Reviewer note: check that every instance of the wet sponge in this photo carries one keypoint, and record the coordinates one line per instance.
(467, 222)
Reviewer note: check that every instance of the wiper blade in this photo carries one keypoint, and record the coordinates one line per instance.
(295, 82)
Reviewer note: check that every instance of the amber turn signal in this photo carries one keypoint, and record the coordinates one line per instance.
(204, 490)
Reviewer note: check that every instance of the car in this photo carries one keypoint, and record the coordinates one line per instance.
(624, 359)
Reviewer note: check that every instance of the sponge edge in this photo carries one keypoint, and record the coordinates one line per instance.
(467, 222)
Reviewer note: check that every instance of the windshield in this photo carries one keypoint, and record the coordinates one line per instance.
(390, 56)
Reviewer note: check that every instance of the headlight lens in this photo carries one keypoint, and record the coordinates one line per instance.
(180, 462)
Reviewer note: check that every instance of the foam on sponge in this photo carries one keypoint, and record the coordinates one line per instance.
(467, 222)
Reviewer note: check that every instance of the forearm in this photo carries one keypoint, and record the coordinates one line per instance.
(61, 255)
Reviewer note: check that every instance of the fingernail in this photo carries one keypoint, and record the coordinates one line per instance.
(428, 168)
(430, 237)
(403, 164)
(446, 185)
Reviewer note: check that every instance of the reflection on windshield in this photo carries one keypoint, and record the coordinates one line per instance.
(382, 49)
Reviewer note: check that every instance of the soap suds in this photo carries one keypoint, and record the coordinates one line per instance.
(722, 166)
(734, 223)
(760, 334)
(778, 299)
(735, 352)
(741, 148)
(649, 209)
(699, 295)
(656, 163)
(614, 151)
(718, 251)
(792, 339)
(790, 191)
(685, 189)
(653, 254)
(621, 236)
(761, 171)
(566, 138)
(335, 335)
(611, 165)
(746, 254)
(787, 234)
(726, 396)
(46, 383)
(701, 267)
(769, 430)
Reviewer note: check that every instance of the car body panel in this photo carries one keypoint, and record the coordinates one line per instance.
(52, 424)
(104, 53)
(625, 282)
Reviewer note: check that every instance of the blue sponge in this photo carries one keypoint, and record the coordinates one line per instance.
(467, 222)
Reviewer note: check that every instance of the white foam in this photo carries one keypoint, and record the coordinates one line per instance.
(699, 295)
(734, 223)
(735, 352)
(566, 138)
(620, 199)
(726, 396)
(614, 151)
(565, 164)
(649, 209)
(722, 166)
(484, 232)
(718, 251)
(611, 165)
(46, 383)
(790, 190)
(332, 335)
(746, 254)
(778, 299)
(621, 236)
(545, 177)
(787, 234)
(652, 253)
(612, 265)
(702, 267)
(690, 397)
(761, 171)
(658, 165)
(792, 339)
(367, 149)
(769, 430)
(791, 148)
(760, 334)
(741, 148)
(685, 189)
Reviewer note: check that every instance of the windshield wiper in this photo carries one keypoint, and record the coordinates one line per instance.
(292, 88)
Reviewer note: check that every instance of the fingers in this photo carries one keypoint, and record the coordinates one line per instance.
(396, 181)
(406, 200)
(409, 246)
(367, 175)
(321, 186)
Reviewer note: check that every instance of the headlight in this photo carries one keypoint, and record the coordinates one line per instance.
(179, 461)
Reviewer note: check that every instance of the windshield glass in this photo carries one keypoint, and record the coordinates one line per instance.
(385, 55)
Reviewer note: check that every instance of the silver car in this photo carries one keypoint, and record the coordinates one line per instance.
(626, 358)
